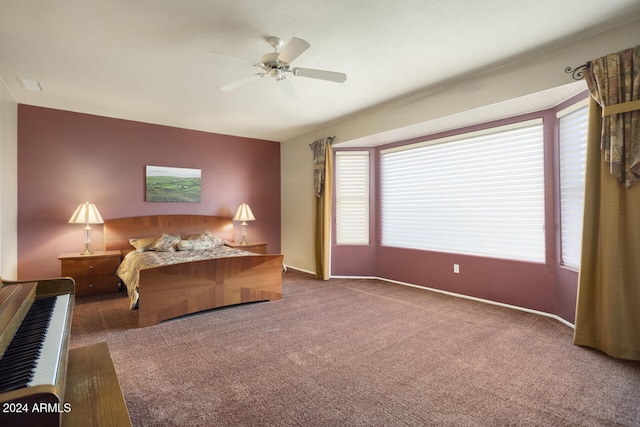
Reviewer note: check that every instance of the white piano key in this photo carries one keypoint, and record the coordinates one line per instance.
(46, 367)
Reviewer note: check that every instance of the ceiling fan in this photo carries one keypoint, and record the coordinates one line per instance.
(277, 64)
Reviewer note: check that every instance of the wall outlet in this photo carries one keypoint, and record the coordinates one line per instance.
(456, 268)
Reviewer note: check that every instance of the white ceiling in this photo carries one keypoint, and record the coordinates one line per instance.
(152, 60)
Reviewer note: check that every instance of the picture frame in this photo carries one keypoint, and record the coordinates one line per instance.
(172, 184)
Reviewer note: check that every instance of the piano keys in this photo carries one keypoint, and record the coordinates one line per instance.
(35, 320)
(42, 383)
(33, 356)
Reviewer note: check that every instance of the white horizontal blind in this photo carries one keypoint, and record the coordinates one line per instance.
(352, 197)
(573, 147)
(480, 194)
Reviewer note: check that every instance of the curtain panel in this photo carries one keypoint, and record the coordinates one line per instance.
(608, 304)
(323, 186)
(614, 82)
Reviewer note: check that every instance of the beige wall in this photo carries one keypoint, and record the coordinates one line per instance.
(8, 184)
(524, 77)
(296, 165)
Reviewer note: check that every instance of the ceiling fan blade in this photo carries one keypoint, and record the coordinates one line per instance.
(331, 76)
(287, 88)
(242, 82)
(293, 49)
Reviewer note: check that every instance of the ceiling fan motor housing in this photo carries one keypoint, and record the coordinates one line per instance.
(270, 63)
(271, 60)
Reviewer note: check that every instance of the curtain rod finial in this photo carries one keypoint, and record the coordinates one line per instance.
(578, 72)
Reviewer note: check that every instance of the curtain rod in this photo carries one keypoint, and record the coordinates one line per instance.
(578, 72)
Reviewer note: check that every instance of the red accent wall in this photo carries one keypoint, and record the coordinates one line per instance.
(67, 158)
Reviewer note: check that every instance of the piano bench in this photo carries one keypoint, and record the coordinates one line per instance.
(93, 390)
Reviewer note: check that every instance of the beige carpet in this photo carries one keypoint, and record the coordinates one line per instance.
(358, 353)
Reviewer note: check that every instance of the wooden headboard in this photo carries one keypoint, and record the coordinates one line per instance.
(117, 232)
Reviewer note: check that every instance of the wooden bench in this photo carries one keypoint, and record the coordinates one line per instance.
(93, 391)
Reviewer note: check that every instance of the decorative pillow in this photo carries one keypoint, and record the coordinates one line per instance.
(166, 243)
(207, 236)
(194, 236)
(142, 244)
(195, 245)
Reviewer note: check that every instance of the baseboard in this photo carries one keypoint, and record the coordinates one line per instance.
(453, 294)
(290, 267)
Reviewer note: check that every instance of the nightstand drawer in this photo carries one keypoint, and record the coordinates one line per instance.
(94, 285)
(94, 274)
(77, 268)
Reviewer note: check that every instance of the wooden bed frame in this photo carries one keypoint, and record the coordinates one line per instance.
(175, 290)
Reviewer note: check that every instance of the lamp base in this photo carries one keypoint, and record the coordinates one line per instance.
(244, 233)
(87, 251)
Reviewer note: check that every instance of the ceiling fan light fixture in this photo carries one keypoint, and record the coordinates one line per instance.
(276, 73)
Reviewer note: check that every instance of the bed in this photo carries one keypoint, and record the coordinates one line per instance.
(191, 285)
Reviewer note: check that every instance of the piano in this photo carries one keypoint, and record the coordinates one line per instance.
(35, 319)
(42, 383)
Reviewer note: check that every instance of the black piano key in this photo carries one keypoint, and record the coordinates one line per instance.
(15, 384)
(21, 373)
(23, 343)
(11, 383)
(19, 360)
(21, 347)
(19, 357)
(21, 378)
(15, 366)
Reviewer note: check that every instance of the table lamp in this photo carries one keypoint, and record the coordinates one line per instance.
(86, 214)
(244, 214)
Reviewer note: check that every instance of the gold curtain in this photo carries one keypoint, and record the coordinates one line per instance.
(608, 306)
(323, 173)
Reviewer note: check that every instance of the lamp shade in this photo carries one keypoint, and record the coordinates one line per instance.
(244, 213)
(87, 213)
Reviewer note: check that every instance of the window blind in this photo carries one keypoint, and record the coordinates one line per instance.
(573, 147)
(352, 197)
(480, 194)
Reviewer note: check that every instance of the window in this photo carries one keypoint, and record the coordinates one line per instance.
(352, 197)
(480, 194)
(573, 143)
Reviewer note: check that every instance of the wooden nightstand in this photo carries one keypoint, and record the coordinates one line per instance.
(94, 274)
(256, 248)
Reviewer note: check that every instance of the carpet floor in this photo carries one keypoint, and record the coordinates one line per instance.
(358, 353)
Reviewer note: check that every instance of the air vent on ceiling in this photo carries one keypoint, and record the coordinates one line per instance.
(30, 84)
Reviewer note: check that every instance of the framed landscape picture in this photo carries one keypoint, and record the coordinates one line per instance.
(168, 184)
